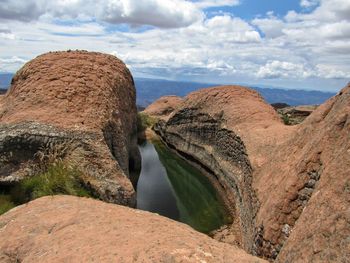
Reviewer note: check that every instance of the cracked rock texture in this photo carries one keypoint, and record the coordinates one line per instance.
(72, 229)
(289, 185)
(85, 98)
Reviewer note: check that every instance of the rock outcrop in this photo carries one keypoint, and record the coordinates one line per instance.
(219, 128)
(289, 185)
(163, 107)
(83, 99)
(72, 229)
(304, 189)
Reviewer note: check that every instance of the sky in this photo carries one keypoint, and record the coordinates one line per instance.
(299, 44)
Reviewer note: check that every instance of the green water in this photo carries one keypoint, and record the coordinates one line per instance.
(170, 186)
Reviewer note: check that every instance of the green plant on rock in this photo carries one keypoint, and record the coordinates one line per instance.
(145, 121)
(286, 119)
(53, 175)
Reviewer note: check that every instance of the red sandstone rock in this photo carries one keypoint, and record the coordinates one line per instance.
(304, 189)
(289, 185)
(163, 107)
(84, 97)
(72, 229)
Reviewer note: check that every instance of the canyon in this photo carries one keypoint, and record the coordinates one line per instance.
(288, 185)
(285, 186)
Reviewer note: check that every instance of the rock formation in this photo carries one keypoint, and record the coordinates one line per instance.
(83, 99)
(72, 229)
(304, 189)
(219, 128)
(163, 107)
(289, 185)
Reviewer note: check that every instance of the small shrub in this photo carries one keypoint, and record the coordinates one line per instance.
(145, 121)
(286, 119)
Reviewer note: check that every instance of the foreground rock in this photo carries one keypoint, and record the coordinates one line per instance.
(83, 100)
(288, 185)
(72, 229)
(163, 107)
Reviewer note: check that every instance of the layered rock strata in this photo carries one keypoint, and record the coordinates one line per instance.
(84, 98)
(219, 128)
(289, 184)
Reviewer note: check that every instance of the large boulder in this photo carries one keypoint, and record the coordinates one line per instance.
(83, 99)
(72, 229)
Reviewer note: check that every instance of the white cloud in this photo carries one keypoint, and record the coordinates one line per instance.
(216, 3)
(272, 27)
(301, 48)
(282, 69)
(309, 3)
(161, 13)
(9, 64)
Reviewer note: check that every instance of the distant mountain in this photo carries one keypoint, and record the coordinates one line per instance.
(5, 80)
(148, 90)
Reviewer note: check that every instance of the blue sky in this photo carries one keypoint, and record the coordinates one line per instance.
(303, 44)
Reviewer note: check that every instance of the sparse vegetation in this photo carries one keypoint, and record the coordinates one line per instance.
(53, 176)
(286, 119)
(145, 121)
(5, 203)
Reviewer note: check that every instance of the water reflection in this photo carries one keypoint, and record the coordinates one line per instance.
(171, 187)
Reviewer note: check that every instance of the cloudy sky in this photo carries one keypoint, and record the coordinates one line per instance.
(303, 44)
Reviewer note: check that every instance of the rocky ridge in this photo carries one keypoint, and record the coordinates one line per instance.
(84, 98)
(272, 172)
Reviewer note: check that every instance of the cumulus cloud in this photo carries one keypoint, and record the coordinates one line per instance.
(161, 13)
(185, 42)
(8, 64)
(282, 69)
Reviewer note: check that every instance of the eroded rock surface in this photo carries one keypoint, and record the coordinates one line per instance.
(289, 185)
(82, 97)
(304, 189)
(220, 128)
(163, 107)
(72, 229)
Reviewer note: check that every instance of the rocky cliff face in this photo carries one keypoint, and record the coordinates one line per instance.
(72, 229)
(163, 107)
(304, 189)
(84, 98)
(219, 128)
(288, 184)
